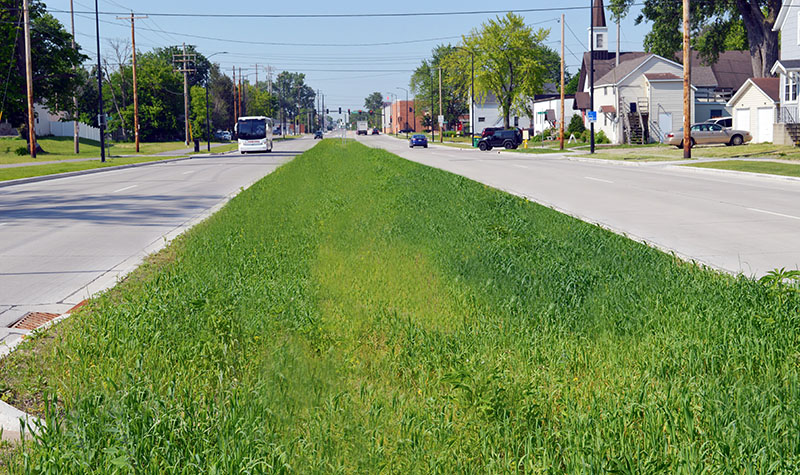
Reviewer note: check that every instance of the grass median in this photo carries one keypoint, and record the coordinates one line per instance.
(772, 168)
(356, 312)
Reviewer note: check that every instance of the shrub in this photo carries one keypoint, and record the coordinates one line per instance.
(575, 126)
(600, 137)
(21, 151)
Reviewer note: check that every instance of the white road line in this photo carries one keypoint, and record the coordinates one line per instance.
(3, 224)
(518, 166)
(186, 173)
(598, 179)
(126, 188)
(773, 213)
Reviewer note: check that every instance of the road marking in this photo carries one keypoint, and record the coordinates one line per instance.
(598, 179)
(773, 213)
(518, 166)
(186, 173)
(3, 224)
(126, 188)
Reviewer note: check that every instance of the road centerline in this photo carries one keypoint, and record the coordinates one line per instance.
(601, 180)
(126, 188)
(774, 213)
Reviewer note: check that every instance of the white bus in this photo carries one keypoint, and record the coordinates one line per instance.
(254, 134)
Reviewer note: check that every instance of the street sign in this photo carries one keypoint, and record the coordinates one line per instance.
(592, 115)
(441, 120)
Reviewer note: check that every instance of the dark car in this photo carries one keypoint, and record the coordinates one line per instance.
(501, 138)
(375, 132)
(489, 131)
(417, 139)
(318, 134)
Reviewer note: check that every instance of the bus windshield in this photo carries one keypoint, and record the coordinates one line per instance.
(252, 129)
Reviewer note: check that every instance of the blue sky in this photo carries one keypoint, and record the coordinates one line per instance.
(323, 65)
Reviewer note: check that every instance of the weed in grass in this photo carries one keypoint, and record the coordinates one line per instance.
(356, 312)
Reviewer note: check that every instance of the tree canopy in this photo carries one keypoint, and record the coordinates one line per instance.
(424, 84)
(55, 81)
(717, 26)
(508, 62)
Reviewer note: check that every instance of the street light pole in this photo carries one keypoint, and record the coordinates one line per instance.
(100, 116)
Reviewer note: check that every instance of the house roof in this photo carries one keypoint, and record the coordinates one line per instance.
(582, 101)
(662, 77)
(730, 71)
(784, 65)
(608, 109)
(615, 75)
(770, 87)
(603, 66)
(550, 97)
(598, 14)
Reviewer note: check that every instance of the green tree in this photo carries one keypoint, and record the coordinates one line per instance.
(717, 26)
(424, 84)
(54, 80)
(507, 62)
(221, 97)
(374, 103)
(197, 112)
(294, 95)
(160, 91)
(571, 87)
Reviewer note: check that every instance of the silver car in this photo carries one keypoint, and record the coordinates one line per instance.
(710, 134)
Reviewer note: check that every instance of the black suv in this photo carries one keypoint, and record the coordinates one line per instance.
(501, 138)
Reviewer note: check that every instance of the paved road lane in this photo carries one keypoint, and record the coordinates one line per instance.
(61, 240)
(739, 223)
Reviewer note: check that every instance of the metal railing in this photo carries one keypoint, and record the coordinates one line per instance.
(788, 114)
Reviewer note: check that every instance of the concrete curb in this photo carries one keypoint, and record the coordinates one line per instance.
(35, 179)
(720, 171)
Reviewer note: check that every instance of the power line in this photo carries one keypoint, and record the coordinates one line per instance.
(351, 15)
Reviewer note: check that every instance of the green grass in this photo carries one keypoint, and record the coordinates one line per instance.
(772, 168)
(355, 312)
(51, 169)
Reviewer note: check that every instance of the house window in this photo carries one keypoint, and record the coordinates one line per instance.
(516, 121)
(599, 44)
(790, 91)
(716, 113)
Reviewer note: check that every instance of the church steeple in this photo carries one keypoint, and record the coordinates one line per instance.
(600, 33)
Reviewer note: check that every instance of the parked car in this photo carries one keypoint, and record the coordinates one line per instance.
(726, 122)
(508, 139)
(222, 135)
(318, 134)
(416, 140)
(489, 131)
(406, 131)
(375, 132)
(710, 134)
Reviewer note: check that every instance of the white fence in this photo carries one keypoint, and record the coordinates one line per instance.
(66, 129)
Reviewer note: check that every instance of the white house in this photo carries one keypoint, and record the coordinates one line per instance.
(787, 129)
(487, 114)
(755, 107)
(547, 111)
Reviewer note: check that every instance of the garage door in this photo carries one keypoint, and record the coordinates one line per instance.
(766, 118)
(741, 119)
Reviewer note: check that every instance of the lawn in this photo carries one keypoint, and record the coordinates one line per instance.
(356, 312)
(61, 148)
(772, 168)
(53, 168)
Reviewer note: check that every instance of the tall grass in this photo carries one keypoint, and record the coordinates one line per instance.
(355, 312)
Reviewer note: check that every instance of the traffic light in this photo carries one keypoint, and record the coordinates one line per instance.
(340, 110)
(327, 111)
(348, 111)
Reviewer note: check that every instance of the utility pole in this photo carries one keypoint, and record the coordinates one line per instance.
(184, 60)
(75, 127)
(135, 94)
(241, 83)
(101, 117)
(269, 79)
(472, 101)
(687, 85)
(441, 132)
(29, 80)
(591, 77)
(235, 102)
(256, 74)
(561, 121)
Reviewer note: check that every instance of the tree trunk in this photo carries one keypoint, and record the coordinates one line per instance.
(763, 41)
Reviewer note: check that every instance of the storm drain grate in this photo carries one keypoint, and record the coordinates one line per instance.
(33, 320)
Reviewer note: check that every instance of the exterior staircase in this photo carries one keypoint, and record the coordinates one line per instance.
(636, 125)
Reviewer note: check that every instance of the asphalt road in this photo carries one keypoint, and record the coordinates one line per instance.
(735, 222)
(62, 240)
